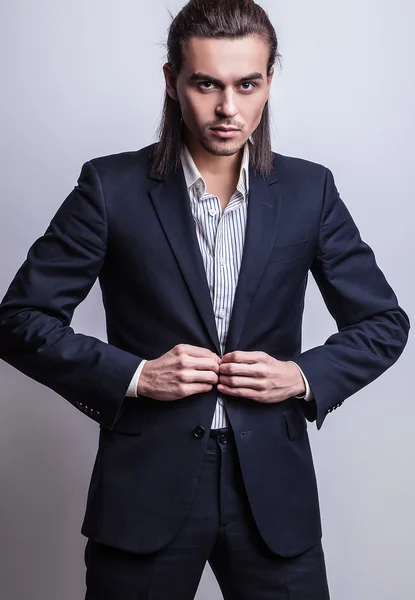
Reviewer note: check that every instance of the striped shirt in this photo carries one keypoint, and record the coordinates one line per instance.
(221, 238)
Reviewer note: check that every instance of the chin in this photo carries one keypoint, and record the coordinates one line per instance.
(222, 147)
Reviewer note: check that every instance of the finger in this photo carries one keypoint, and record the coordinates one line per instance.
(242, 369)
(199, 388)
(240, 382)
(239, 356)
(203, 377)
(239, 392)
(204, 364)
(197, 351)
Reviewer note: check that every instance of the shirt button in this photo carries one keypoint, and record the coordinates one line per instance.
(212, 212)
(222, 261)
(222, 313)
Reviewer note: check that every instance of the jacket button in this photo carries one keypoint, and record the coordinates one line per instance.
(198, 432)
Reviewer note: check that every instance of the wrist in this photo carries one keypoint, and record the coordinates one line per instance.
(142, 384)
(298, 386)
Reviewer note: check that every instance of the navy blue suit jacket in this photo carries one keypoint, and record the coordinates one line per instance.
(135, 232)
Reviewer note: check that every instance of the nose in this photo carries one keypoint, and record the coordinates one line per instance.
(227, 106)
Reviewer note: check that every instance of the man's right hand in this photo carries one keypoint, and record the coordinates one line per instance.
(182, 371)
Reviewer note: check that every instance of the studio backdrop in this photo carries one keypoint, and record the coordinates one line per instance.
(84, 79)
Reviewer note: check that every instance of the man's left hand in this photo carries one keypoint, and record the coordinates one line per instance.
(258, 376)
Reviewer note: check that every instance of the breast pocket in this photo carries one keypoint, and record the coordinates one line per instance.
(288, 251)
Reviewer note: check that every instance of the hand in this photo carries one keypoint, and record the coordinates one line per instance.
(258, 376)
(182, 371)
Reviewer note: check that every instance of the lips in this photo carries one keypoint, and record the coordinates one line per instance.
(224, 129)
(223, 132)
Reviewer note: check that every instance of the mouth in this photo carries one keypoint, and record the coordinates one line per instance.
(224, 132)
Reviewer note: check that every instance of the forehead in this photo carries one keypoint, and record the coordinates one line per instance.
(224, 58)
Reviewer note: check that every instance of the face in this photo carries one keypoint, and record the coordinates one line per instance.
(222, 83)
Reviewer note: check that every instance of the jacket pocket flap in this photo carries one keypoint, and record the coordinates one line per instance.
(289, 251)
(296, 423)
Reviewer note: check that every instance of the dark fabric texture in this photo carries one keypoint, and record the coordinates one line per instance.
(135, 233)
(219, 529)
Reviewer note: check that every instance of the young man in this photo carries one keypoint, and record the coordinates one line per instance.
(202, 244)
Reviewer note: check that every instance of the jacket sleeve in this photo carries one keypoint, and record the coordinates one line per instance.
(372, 328)
(35, 314)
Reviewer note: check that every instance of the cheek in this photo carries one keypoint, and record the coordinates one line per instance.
(192, 108)
(256, 113)
(251, 107)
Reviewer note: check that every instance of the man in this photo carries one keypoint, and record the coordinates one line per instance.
(202, 244)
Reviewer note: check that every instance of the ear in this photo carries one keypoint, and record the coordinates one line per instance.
(170, 79)
(269, 80)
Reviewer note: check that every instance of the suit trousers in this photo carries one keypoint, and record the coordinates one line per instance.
(219, 529)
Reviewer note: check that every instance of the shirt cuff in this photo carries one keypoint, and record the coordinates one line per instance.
(132, 388)
(308, 396)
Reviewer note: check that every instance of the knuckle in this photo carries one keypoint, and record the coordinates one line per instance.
(183, 376)
(185, 361)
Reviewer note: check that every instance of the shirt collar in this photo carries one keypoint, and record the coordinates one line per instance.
(193, 177)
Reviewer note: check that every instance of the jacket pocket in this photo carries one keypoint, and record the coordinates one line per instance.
(132, 419)
(296, 423)
(294, 250)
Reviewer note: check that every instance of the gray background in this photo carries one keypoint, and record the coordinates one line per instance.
(84, 79)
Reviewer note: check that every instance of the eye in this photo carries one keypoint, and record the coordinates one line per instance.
(248, 83)
(209, 83)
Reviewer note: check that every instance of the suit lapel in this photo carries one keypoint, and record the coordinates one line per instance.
(171, 202)
(264, 204)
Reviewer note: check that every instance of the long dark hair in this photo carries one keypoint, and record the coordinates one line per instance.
(224, 19)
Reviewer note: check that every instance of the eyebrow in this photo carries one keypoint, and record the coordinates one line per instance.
(205, 76)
